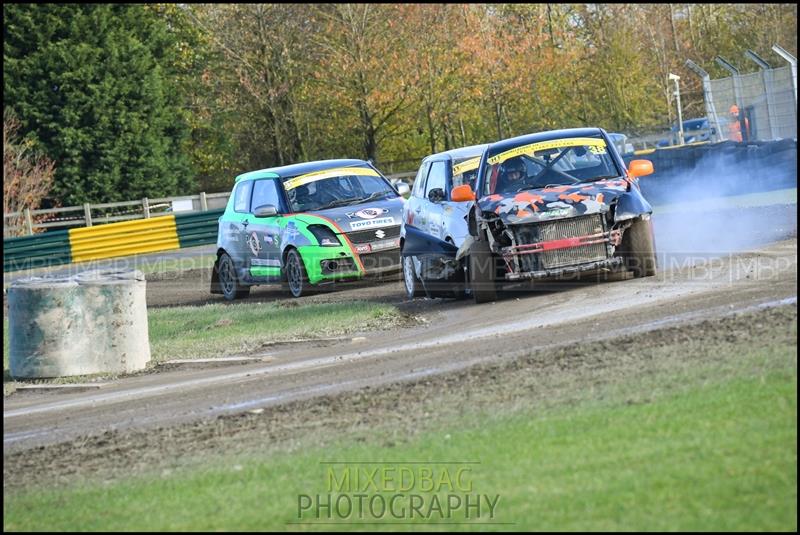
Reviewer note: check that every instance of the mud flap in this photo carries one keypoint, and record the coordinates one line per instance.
(438, 259)
(418, 243)
(215, 286)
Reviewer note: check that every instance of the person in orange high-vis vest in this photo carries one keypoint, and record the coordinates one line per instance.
(735, 125)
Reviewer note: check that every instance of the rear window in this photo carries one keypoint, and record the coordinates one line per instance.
(242, 196)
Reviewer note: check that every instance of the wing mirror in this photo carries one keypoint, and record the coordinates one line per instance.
(462, 193)
(436, 195)
(639, 168)
(266, 210)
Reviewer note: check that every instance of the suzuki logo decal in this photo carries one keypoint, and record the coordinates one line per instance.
(380, 234)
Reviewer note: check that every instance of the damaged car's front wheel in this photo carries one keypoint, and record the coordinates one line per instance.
(638, 249)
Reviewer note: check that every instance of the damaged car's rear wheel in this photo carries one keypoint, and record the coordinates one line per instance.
(638, 249)
(482, 272)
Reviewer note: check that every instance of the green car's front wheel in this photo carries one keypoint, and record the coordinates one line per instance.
(296, 276)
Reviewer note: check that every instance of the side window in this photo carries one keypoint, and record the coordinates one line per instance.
(242, 196)
(265, 192)
(419, 181)
(437, 177)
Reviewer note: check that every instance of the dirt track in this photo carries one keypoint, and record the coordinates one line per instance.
(458, 334)
(131, 423)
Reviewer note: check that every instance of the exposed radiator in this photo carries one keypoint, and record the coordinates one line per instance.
(558, 230)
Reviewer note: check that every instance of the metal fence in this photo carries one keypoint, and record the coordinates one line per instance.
(765, 99)
(757, 106)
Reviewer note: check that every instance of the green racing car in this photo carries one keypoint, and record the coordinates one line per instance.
(307, 224)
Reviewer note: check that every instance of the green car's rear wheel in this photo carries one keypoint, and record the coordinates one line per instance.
(228, 281)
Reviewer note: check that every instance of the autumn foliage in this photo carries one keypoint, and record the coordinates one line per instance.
(27, 176)
(229, 88)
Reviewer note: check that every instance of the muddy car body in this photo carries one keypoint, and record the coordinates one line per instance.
(430, 214)
(551, 205)
(307, 224)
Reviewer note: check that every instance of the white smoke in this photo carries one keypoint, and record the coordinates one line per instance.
(728, 202)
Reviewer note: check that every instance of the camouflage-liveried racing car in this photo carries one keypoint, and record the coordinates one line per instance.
(549, 205)
(307, 224)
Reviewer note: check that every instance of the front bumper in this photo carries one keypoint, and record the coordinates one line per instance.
(315, 258)
(561, 247)
(609, 263)
(339, 263)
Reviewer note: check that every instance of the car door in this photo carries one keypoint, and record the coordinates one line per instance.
(435, 197)
(232, 230)
(263, 233)
(414, 209)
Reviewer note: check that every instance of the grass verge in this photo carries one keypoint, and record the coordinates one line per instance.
(713, 458)
(230, 329)
(223, 329)
(691, 428)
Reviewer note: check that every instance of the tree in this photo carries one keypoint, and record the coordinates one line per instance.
(93, 86)
(27, 176)
(364, 51)
(202, 81)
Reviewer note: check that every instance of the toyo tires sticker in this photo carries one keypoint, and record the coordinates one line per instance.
(383, 222)
(368, 213)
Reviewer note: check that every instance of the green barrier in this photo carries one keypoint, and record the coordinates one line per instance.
(198, 228)
(39, 250)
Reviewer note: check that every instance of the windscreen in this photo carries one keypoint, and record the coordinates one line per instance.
(554, 162)
(330, 188)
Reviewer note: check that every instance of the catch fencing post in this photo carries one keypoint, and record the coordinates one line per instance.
(711, 110)
(766, 72)
(793, 62)
(737, 88)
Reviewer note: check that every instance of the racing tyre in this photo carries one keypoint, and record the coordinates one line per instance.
(228, 281)
(296, 276)
(638, 249)
(413, 285)
(482, 272)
